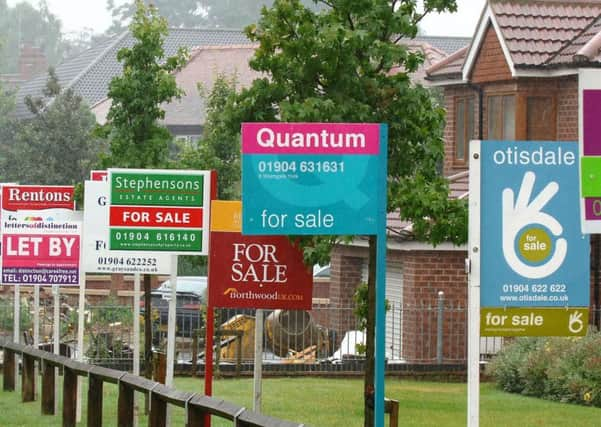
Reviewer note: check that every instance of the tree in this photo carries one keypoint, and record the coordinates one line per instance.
(197, 13)
(23, 24)
(57, 137)
(335, 67)
(136, 140)
(219, 147)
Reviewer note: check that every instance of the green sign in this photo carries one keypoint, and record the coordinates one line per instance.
(149, 188)
(159, 210)
(533, 322)
(126, 239)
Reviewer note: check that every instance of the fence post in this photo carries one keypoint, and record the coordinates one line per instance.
(158, 411)
(28, 380)
(439, 331)
(69, 397)
(9, 370)
(125, 406)
(47, 388)
(94, 401)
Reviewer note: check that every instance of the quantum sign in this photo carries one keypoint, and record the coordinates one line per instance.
(313, 178)
(159, 210)
(254, 271)
(533, 254)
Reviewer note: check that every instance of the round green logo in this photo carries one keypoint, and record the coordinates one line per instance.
(534, 245)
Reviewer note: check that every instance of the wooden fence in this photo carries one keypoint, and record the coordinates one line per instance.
(197, 407)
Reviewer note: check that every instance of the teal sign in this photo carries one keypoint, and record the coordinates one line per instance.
(313, 178)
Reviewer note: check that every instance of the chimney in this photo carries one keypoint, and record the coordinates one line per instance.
(32, 61)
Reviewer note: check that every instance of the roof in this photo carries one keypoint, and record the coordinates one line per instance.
(445, 44)
(204, 66)
(90, 72)
(540, 36)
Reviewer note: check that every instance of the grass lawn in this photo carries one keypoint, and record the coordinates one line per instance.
(338, 402)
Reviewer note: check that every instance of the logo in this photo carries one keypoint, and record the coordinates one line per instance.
(532, 245)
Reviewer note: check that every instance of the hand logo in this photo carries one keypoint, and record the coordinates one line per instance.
(523, 213)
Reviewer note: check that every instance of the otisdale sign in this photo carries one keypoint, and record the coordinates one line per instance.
(534, 259)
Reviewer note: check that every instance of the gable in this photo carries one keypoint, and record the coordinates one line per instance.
(490, 64)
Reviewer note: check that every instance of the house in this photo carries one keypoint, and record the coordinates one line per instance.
(517, 79)
(89, 73)
(212, 52)
(184, 117)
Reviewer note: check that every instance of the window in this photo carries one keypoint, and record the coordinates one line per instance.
(501, 117)
(464, 128)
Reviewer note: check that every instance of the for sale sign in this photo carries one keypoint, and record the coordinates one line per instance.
(534, 258)
(254, 271)
(40, 235)
(159, 210)
(313, 178)
(96, 256)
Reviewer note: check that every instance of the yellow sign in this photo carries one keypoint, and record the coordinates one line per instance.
(226, 216)
(533, 322)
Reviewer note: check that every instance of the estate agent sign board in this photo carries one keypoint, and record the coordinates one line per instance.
(534, 260)
(312, 178)
(40, 235)
(159, 210)
(254, 271)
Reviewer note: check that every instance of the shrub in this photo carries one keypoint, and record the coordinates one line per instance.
(562, 369)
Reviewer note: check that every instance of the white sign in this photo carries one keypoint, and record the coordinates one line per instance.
(97, 258)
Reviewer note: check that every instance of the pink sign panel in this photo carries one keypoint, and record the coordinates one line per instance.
(311, 138)
(40, 259)
(591, 123)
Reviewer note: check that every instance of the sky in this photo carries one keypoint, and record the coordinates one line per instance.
(79, 15)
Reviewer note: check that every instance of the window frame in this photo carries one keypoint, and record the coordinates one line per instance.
(467, 133)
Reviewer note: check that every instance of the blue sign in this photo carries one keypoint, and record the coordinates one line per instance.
(313, 178)
(533, 253)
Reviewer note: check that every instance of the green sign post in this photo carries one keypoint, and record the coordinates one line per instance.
(159, 210)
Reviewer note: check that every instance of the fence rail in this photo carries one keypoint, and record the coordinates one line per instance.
(197, 407)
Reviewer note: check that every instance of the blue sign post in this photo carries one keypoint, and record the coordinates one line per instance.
(321, 178)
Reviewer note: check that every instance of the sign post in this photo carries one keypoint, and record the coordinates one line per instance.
(261, 272)
(529, 260)
(320, 179)
(160, 211)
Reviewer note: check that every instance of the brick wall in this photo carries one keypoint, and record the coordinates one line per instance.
(490, 65)
(425, 274)
(567, 109)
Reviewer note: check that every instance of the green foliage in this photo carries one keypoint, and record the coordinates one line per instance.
(136, 140)
(563, 369)
(361, 305)
(219, 147)
(66, 152)
(7, 315)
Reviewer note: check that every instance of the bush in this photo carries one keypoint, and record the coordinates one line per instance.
(562, 369)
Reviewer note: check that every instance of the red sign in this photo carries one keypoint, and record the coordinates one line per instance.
(257, 272)
(37, 197)
(99, 175)
(145, 216)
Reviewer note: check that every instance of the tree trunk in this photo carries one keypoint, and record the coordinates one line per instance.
(370, 336)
